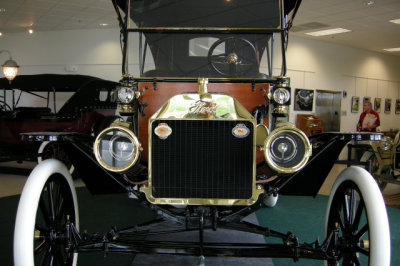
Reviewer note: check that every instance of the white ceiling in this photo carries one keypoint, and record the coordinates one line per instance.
(369, 24)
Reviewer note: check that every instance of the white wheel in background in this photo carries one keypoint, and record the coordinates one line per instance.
(357, 208)
(48, 198)
(52, 150)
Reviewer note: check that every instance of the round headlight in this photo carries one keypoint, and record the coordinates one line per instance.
(385, 143)
(117, 149)
(281, 96)
(287, 149)
(125, 94)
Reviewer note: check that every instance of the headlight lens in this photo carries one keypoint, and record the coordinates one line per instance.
(125, 94)
(287, 149)
(281, 96)
(117, 148)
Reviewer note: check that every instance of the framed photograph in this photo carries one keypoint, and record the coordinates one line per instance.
(388, 103)
(366, 99)
(355, 103)
(304, 100)
(397, 110)
(377, 105)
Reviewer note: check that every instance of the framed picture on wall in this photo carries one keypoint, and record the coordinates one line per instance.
(397, 110)
(304, 100)
(355, 103)
(377, 105)
(366, 99)
(388, 103)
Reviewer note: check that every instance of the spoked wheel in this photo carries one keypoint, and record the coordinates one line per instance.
(47, 205)
(356, 219)
(4, 106)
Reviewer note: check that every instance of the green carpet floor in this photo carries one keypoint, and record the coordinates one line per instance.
(303, 216)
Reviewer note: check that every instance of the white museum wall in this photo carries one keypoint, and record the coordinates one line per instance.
(314, 65)
(319, 65)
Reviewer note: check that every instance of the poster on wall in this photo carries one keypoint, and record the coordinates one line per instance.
(355, 102)
(303, 100)
(388, 103)
(366, 100)
(377, 105)
(397, 106)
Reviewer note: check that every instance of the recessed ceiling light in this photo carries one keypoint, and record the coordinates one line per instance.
(369, 3)
(327, 32)
(103, 24)
(2, 10)
(1, 34)
(397, 21)
(30, 31)
(397, 49)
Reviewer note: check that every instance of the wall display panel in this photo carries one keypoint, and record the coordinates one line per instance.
(397, 110)
(304, 100)
(388, 105)
(377, 105)
(355, 103)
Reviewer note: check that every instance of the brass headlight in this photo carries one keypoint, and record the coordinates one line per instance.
(281, 95)
(125, 94)
(117, 148)
(287, 149)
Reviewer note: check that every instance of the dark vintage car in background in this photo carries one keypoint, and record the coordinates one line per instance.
(88, 108)
(204, 143)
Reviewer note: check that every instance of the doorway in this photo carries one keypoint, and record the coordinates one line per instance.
(327, 107)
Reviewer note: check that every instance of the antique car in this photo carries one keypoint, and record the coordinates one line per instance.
(31, 106)
(204, 143)
(382, 158)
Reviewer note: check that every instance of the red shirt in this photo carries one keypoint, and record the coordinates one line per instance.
(370, 118)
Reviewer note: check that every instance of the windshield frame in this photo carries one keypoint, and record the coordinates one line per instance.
(286, 19)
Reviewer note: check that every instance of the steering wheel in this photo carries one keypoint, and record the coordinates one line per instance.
(233, 56)
(4, 107)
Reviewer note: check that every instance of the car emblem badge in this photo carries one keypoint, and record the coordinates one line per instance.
(240, 131)
(163, 130)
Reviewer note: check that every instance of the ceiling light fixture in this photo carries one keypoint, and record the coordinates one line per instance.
(327, 32)
(369, 3)
(397, 49)
(396, 21)
(103, 24)
(30, 31)
(10, 67)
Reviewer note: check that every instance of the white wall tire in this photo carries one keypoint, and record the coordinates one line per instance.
(42, 156)
(366, 201)
(49, 175)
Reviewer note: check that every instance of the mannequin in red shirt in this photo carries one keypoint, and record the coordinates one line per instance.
(369, 119)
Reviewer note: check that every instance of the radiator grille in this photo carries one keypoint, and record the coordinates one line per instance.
(202, 159)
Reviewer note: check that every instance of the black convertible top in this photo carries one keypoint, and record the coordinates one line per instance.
(52, 82)
(238, 14)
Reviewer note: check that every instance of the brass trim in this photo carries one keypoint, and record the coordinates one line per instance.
(262, 133)
(132, 137)
(256, 190)
(126, 108)
(287, 127)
